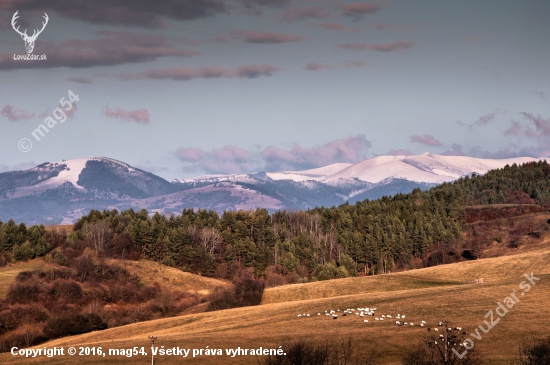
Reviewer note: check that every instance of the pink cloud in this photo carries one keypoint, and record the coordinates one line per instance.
(350, 149)
(314, 12)
(231, 159)
(483, 121)
(357, 11)
(190, 154)
(399, 152)
(427, 140)
(334, 26)
(542, 125)
(519, 130)
(314, 66)
(15, 114)
(137, 116)
(266, 37)
(185, 73)
(227, 160)
(71, 113)
(80, 80)
(381, 47)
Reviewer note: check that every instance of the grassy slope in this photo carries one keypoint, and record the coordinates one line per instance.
(269, 324)
(150, 272)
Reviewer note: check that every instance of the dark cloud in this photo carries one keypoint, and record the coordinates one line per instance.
(266, 37)
(334, 26)
(270, 3)
(80, 80)
(134, 116)
(185, 73)
(380, 47)
(231, 159)
(427, 140)
(358, 11)
(114, 48)
(147, 14)
(294, 14)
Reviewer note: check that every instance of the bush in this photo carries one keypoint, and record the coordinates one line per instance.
(435, 351)
(73, 325)
(25, 336)
(309, 353)
(534, 351)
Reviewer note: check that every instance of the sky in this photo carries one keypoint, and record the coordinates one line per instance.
(195, 87)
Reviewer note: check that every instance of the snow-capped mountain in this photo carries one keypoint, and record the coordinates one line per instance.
(63, 191)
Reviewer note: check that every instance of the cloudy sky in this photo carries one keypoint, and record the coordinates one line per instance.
(186, 88)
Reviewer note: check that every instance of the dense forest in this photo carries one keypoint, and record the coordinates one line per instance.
(249, 248)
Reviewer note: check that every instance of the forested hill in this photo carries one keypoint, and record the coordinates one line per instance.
(370, 237)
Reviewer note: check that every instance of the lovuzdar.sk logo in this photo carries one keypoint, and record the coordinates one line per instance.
(29, 40)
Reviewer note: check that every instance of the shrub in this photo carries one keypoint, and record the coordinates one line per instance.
(23, 292)
(534, 351)
(73, 325)
(435, 351)
(323, 353)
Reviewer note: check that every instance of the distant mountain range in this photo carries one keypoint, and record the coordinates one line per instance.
(54, 193)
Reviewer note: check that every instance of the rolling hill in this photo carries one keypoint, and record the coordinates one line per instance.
(437, 295)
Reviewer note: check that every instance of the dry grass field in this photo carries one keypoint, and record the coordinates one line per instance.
(431, 294)
(150, 272)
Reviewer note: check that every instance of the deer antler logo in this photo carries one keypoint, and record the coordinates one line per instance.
(29, 41)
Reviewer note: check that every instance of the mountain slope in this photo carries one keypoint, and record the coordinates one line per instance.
(61, 192)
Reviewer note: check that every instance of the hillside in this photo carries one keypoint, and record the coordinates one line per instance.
(270, 324)
(491, 270)
(150, 272)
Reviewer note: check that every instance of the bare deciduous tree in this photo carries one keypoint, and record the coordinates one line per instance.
(211, 239)
(98, 234)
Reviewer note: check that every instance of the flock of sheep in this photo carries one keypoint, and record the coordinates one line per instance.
(362, 312)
